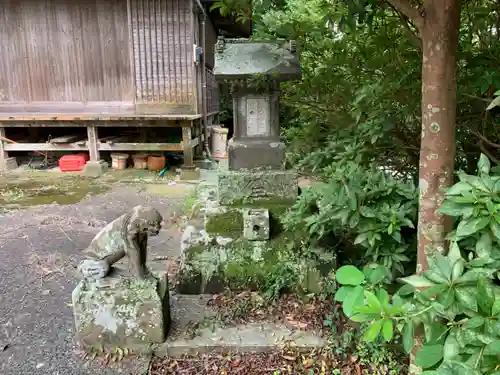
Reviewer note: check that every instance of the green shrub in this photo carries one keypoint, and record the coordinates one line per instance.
(456, 301)
(363, 214)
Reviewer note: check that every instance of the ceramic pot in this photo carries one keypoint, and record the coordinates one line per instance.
(156, 162)
(119, 161)
(140, 161)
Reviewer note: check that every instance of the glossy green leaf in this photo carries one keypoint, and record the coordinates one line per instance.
(484, 163)
(454, 255)
(484, 246)
(494, 103)
(429, 355)
(377, 275)
(451, 348)
(451, 208)
(383, 297)
(457, 368)
(495, 310)
(417, 281)
(457, 270)
(372, 301)
(435, 333)
(485, 296)
(495, 229)
(353, 299)
(373, 331)
(466, 296)
(459, 188)
(360, 318)
(408, 337)
(406, 290)
(492, 348)
(444, 265)
(349, 275)
(471, 226)
(342, 292)
(388, 329)
(475, 322)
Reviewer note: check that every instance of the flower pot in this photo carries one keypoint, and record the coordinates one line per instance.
(140, 161)
(156, 162)
(119, 161)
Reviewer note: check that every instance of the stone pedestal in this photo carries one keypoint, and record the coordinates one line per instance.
(189, 173)
(242, 239)
(250, 154)
(95, 168)
(257, 186)
(121, 311)
(10, 164)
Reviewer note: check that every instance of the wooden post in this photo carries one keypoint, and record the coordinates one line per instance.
(3, 153)
(186, 142)
(93, 143)
(199, 136)
(143, 135)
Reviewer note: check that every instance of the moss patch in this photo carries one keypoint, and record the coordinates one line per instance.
(228, 223)
(277, 208)
(38, 190)
(242, 264)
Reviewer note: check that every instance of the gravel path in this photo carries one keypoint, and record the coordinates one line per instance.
(40, 248)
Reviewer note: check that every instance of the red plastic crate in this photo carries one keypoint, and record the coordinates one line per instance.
(73, 163)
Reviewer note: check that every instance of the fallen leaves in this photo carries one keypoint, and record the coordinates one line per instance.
(244, 364)
(232, 308)
(287, 362)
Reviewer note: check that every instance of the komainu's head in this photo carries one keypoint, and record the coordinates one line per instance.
(147, 219)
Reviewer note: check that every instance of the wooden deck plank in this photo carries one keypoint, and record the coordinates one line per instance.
(66, 138)
(80, 146)
(92, 117)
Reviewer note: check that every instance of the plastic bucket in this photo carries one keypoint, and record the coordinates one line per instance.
(119, 161)
(219, 142)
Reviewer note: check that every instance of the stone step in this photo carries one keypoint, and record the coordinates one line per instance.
(242, 338)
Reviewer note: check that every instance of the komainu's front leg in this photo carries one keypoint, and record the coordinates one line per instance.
(143, 251)
(137, 267)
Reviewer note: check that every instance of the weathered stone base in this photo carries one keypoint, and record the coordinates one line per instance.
(95, 168)
(205, 164)
(254, 154)
(11, 163)
(243, 338)
(120, 311)
(189, 174)
(242, 245)
(8, 164)
(251, 186)
(215, 264)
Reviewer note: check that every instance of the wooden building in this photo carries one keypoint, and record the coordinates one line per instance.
(100, 64)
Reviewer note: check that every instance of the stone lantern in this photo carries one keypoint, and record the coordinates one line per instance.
(254, 69)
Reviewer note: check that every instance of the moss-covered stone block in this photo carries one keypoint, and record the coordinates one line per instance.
(250, 186)
(242, 264)
(122, 311)
(224, 221)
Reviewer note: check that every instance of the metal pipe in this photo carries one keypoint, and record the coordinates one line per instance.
(206, 146)
(200, 5)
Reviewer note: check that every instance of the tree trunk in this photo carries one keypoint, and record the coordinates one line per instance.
(439, 32)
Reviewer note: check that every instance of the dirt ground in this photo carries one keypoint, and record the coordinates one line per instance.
(45, 222)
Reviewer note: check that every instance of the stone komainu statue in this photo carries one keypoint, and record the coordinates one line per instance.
(125, 236)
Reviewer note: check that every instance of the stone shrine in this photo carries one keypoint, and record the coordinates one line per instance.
(241, 231)
(115, 307)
